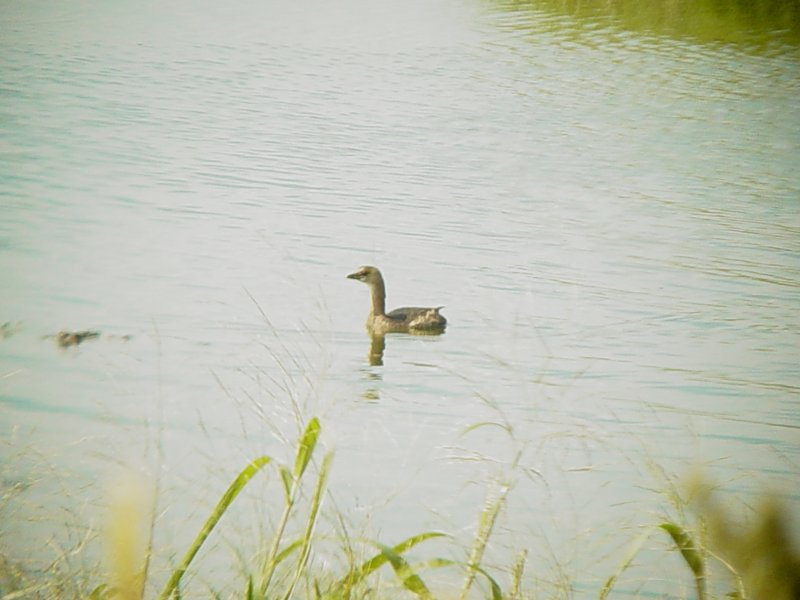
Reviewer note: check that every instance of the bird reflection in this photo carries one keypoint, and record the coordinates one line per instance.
(373, 392)
(376, 347)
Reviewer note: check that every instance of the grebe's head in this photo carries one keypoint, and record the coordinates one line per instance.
(367, 274)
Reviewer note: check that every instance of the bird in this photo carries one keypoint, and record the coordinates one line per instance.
(409, 319)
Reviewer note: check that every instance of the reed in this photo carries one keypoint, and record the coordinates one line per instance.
(515, 592)
(486, 524)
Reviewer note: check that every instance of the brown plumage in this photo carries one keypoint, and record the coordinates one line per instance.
(408, 319)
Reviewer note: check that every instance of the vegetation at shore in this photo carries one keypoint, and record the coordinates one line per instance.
(749, 22)
(756, 561)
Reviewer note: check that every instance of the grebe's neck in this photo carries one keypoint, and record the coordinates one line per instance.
(378, 291)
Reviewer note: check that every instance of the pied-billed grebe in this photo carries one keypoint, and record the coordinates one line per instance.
(409, 319)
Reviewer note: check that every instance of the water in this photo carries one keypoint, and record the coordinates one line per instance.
(610, 219)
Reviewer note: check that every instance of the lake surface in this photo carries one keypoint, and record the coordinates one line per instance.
(612, 221)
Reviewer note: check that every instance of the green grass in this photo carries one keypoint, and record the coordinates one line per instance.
(755, 561)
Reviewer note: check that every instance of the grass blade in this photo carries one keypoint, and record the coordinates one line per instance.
(286, 479)
(306, 448)
(227, 498)
(686, 545)
(341, 589)
(632, 552)
(291, 484)
(288, 551)
(497, 592)
(691, 555)
(316, 502)
(411, 581)
(101, 592)
(249, 593)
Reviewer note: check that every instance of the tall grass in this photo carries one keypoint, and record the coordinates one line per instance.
(219, 510)
(758, 562)
(291, 555)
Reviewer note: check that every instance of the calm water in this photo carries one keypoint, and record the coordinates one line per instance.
(612, 221)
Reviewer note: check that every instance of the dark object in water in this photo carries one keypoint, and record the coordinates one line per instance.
(65, 339)
(8, 329)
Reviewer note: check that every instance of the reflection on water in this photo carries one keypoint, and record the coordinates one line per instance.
(378, 343)
(610, 219)
(376, 347)
(372, 391)
(751, 24)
